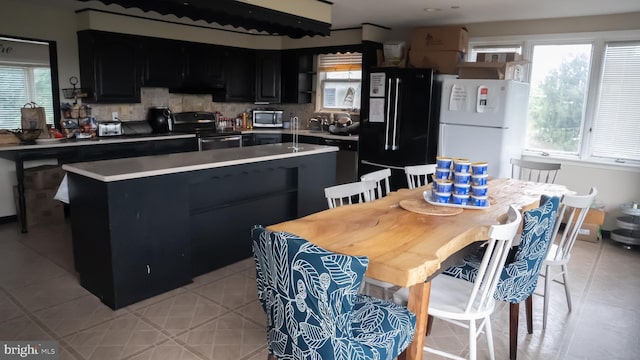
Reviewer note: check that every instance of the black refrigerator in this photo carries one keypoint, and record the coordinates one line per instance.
(400, 122)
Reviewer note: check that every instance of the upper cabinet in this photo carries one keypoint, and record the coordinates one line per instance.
(203, 66)
(239, 75)
(163, 63)
(114, 66)
(297, 77)
(111, 66)
(268, 73)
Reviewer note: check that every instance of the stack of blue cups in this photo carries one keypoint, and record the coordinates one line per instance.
(479, 186)
(461, 180)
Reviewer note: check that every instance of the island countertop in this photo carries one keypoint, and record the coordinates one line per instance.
(145, 166)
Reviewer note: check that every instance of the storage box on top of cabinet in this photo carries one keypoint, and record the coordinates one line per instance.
(511, 70)
(440, 38)
(445, 62)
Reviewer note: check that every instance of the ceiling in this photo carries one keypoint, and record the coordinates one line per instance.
(411, 13)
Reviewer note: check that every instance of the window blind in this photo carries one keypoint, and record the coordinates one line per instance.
(616, 131)
(13, 95)
(20, 85)
(340, 62)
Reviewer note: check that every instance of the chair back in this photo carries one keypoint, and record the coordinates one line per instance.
(495, 255)
(381, 178)
(572, 211)
(520, 276)
(307, 293)
(418, 175)
(534, 171)
(349, 193)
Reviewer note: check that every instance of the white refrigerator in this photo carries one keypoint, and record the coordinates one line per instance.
(483, 120)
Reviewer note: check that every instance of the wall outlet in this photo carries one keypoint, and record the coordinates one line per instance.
(114, 116)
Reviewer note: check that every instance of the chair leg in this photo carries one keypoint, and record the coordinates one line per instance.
(513, 330)
(489, 334)
(565, 279)
(472, 340)
(429, 325)
(529, 307)
(547, 293)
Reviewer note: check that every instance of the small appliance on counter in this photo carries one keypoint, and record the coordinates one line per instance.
(267, 118)
(140, 127)
(109, 128)
(161, 119)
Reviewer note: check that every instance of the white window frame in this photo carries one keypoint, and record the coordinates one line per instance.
(598, 41)
(322, 79)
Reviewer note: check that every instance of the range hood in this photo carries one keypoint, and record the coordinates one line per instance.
(233, 13)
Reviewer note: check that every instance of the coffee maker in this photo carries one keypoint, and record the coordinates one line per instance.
(161, 119)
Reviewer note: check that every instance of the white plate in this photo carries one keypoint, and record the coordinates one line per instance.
(47, 141)
(428, 198)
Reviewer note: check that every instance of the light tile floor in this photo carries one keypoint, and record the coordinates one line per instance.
(218, 316)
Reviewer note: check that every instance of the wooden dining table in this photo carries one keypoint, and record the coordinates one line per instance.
(406, 247)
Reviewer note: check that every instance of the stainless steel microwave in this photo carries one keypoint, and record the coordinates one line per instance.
(267, 118)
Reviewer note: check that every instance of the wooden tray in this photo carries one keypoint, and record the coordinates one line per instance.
(422, 207)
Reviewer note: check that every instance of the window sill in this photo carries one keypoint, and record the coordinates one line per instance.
(589, 163)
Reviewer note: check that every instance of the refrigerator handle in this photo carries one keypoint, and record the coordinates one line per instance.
(388, 118)
(394, 146)
(440, 142)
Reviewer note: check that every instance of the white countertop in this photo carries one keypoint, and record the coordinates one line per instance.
(145, 166)
(96, 141)
(320, 134)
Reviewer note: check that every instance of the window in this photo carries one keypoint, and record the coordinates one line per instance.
(340, 82)
(617, 124)
(557, 97)
(583, 101)
(25, 76)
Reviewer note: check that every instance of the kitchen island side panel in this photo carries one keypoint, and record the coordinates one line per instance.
(130, 239)
(140, 237)
(226, 202)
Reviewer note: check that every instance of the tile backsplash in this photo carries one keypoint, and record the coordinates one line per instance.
(188, 102)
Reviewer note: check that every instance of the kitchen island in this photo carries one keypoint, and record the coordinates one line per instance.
(142, 226)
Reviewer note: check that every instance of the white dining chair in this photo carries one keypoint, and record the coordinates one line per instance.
(381, 178)
(418, 175)
(572, 212)
(534, 171)
(463, 302)
(365, 190)
(349, 193)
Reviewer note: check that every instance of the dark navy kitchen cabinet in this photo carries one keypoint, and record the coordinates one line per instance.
(163, 63)
(268, 73)
(239, 75)
(110, 66)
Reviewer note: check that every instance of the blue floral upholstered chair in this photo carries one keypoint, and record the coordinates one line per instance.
(314, 311)
(520, 274)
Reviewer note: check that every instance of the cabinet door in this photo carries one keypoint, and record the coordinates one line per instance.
(203, 66)
(297, 77)
(163, 63)
(268, 73)
(110, 65)
(239, 74)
